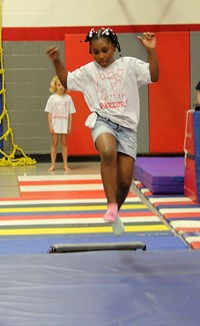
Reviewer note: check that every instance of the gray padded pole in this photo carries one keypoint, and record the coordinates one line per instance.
(64, 248)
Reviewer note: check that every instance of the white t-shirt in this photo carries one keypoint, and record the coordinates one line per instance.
(112, 92)
(60, 107)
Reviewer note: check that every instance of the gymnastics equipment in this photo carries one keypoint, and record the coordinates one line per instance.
(101, 288)
(69, 248)
(161, 175)
(192, 155)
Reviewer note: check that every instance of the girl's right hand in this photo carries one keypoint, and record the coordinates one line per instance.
(51, 131)
(53, 53)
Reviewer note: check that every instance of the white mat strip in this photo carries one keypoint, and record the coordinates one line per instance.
(33, 202)
(59, 177)
(77, 221)
(50, 188)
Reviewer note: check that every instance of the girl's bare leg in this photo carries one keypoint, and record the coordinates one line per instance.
(64, 147)
(54, 147)
(125, 168)
(106, 145)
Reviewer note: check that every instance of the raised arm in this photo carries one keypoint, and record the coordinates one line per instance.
(149, 42)
(54, 55)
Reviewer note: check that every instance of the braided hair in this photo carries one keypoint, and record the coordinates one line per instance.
(103, 32)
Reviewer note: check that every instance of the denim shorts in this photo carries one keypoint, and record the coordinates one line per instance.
(126, 138)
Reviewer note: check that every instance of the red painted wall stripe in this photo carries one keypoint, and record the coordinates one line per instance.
(169, 99)
(80, 140)
(58, 33)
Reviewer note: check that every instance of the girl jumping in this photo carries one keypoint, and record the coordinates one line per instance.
(111, 90)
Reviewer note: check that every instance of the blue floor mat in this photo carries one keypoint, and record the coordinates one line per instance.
(41, 244)
(105, 288)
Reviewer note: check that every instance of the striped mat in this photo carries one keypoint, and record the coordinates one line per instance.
(68, 209)
(79, 209)
(59, 186)
(36, 217)
(180, 212)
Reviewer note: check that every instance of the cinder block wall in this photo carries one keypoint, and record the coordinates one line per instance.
(27, 79)
(194, 63)
(28, 72)
(27, 76)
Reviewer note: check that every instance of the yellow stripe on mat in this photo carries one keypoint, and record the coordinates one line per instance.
(104, 229)
(66, 208)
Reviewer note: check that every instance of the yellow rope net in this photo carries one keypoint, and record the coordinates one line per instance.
(7, 135)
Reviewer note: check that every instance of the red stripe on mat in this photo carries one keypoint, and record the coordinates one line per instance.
(185, 229)
(84, 194)
(81, 194)
(174, 203)
(181, 215)
(69, 216)
(195, 245)
(147, 193)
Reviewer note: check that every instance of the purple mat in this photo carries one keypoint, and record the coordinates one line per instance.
(161, 175)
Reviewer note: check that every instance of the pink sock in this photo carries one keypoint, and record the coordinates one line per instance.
(111, 213)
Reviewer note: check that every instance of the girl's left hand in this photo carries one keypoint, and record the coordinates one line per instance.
(148, 40)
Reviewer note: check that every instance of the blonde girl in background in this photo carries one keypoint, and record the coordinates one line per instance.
(60, 108)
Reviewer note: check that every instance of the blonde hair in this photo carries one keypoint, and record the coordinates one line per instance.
(53, 87)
